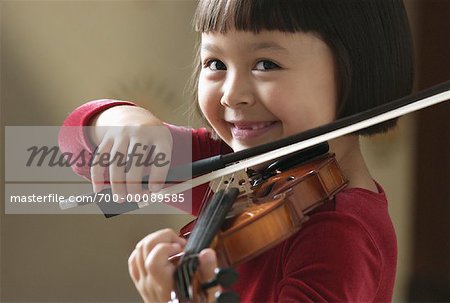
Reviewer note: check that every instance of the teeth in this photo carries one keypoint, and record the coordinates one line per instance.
(254, 126)
(260, 125)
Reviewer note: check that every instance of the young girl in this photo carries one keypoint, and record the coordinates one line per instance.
(267, 70)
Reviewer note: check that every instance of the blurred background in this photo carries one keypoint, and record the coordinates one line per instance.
(56, 55)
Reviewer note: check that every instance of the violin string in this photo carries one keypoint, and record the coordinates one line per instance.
(207, 194)
(186, 280)
(209, 222)
(180, 280)
(183, 272)
(189, 261)
(211, 218)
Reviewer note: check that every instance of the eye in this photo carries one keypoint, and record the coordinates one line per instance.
(215, 65)
(265, 65)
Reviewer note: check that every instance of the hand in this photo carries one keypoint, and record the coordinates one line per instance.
(152, 273)
(132, 137)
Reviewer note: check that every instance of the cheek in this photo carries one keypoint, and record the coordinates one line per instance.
(208, 100)
(274, 95)
(304, 106)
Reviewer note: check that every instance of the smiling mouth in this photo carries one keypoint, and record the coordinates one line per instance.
(250, 130)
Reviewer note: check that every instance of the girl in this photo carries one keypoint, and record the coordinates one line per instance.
(266, 70)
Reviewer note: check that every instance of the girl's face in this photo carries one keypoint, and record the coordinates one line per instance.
(257, 88)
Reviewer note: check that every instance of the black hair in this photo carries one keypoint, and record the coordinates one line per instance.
(370, 39)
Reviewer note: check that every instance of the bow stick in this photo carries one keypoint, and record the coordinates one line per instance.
(206, 170)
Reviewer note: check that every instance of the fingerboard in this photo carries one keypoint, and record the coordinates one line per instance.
(208, 225)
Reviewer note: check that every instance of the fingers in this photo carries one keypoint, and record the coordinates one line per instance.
(158, 172)
(208, 265)
(117, 169)
(127, 154)
(152, 272)
(142, 263)
(149, 267)
(147, 245)
(97, 167)
(134, 173)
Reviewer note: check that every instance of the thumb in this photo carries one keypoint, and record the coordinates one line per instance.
(208, 264)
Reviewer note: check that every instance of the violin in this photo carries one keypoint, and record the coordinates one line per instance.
(241, 222)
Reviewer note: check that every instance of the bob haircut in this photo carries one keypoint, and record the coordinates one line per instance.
(370, 39)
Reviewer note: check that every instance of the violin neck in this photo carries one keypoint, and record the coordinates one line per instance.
(207, 226)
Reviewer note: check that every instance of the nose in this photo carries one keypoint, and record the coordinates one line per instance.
(237, 91)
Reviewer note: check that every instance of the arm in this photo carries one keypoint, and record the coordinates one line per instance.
(116, 127)
(73, 139)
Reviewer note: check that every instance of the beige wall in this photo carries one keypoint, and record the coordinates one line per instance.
(390, 159)
(56, 55)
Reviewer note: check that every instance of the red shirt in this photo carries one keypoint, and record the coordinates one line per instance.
(346, 252)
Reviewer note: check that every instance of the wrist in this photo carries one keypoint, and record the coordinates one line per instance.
(121, 115)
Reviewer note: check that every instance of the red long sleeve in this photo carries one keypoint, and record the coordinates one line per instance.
(72, 139)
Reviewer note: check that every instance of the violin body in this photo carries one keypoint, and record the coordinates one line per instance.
(272, 215)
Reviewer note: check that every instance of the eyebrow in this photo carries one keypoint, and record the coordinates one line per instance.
(269, 46)
(254, 47)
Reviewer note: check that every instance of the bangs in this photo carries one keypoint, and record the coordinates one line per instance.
(251, 15)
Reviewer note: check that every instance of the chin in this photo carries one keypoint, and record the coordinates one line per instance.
(236, 146)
